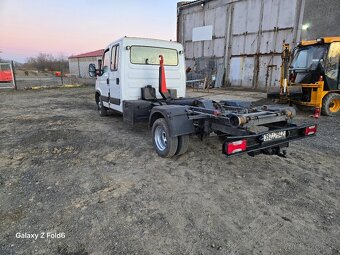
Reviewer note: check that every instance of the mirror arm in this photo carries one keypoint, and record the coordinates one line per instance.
(100, 67)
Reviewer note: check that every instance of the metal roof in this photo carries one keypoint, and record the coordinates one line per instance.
(96, 53)
(186, 4)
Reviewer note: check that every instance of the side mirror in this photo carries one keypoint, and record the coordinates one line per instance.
(92, 70)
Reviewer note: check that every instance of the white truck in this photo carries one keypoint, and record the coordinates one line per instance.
(145, 80)
(130, 64)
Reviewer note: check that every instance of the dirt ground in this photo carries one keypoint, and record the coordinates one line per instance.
(98, 183)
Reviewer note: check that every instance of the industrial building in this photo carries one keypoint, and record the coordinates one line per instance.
(245, 37)
(79, 64)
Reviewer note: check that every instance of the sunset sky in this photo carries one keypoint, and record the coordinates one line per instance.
(68, 27)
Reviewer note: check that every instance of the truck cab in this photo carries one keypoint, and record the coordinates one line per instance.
(130, 64)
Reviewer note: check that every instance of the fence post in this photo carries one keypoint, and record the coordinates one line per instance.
(13, 75)
(61, 74)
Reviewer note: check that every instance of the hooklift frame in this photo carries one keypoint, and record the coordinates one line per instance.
(231, 120)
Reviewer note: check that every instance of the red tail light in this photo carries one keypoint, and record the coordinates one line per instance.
(236, 146)
(311, 130)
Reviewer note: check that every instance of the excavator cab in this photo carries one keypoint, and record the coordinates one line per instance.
(310, 75)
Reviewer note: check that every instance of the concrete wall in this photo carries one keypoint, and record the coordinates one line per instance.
(322, 17)
(79, 66)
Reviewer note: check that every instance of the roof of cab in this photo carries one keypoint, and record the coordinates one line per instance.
(126, 38)
(320, 40)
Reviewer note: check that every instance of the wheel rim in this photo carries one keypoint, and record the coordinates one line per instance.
(334, 105)
(161, 140)
(99, 105)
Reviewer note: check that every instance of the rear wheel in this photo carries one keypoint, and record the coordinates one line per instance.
(221, 136)
(165, 145)
(183, 144)
(331, 104)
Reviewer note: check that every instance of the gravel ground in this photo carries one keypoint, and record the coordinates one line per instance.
(94, 185)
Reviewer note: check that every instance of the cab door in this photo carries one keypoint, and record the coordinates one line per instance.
(332, 68)
(103, 80)
(115, 79)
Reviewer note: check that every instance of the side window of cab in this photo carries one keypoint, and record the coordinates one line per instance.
(333, 62)
(106, 61)
(114, 57)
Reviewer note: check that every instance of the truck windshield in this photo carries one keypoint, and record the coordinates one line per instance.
(145, 55)
(308, 57)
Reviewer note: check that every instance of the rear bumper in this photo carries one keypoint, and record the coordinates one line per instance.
(256, 145)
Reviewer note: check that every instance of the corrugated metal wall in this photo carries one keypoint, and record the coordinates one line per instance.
(247, 37)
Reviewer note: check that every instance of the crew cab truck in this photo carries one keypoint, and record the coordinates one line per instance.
(144, 79)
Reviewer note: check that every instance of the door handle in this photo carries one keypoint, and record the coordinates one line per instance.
(117, 81)
(107, 81)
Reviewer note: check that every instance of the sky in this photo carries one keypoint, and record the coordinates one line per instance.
(69, 27)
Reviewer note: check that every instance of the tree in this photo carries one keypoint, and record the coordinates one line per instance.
(47, 62)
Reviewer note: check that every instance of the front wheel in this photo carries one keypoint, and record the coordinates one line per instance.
(101, 108)
(331, 104)
(165, 145)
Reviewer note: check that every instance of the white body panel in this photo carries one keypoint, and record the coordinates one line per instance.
(133, 77)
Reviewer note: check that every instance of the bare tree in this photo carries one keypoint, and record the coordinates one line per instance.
(47, 62)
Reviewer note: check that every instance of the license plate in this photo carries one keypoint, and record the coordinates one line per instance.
(274, 136)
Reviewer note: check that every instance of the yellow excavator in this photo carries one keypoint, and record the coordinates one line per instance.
(310, 75)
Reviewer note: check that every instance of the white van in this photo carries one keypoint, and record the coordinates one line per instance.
(130, 64)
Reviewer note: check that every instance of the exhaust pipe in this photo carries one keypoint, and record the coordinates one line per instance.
(237, 120)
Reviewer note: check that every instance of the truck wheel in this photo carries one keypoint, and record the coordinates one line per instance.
(183, 144)
(165, 145)
(221, 136)
(101, 108)
(331, 104)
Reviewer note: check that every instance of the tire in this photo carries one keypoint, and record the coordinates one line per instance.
(101, 108)
(331, 104)
(183, 144)
(165, 145)
(221, 136)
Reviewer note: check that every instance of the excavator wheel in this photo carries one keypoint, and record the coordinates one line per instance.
(331, 104)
